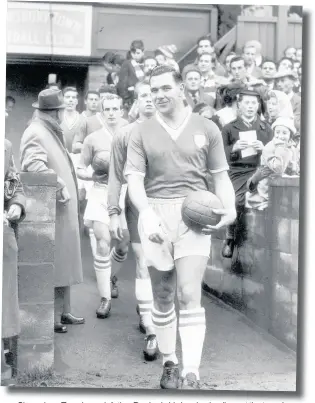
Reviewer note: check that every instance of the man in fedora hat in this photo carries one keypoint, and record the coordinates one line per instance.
(43, 150)
(285, 81)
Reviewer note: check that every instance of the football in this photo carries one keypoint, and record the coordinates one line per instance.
(197, 210)
(101, 162)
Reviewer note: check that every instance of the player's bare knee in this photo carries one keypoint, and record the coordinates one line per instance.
(188, 296)
(164, 294)
(103, 247)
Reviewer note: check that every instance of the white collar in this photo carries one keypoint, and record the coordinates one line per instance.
(174, 133)
(68, 123)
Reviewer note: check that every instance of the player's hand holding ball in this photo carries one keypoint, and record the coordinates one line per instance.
(151, 225)
(227, 218)
(202, 212)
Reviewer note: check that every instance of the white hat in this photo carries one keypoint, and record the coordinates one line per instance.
(286, 122)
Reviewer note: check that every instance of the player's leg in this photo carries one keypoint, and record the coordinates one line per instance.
(191, 254)
(120, 250)
(144, 297)
(119, 254)
(143, 287)
(102, 266)
(165, 323)
(160, 261)
(192, 322)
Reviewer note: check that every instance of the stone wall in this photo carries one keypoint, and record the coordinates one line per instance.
(36, 242)
(261, 280)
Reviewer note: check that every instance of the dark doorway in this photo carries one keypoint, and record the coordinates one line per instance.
(24, 82)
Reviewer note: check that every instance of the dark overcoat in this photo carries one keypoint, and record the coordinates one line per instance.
(241, 169)
(43, 150)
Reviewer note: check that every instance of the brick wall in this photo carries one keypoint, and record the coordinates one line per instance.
(36, 241)
(261, 280)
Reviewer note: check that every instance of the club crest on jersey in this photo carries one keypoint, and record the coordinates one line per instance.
(200, 140)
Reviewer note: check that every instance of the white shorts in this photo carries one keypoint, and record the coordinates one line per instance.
(82, 185)
(96, 208)
(180, 241)
(88, 185)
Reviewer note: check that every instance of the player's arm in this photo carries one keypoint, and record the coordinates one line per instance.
(85, 161)
(115, 180)
(116, 170)
(223, 187)
(79, 137)
(135, 173)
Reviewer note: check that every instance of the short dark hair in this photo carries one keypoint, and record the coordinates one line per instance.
(136, 44)
(94, 92)
(9, 98)
(237, 59)
(204, 38)
(285, 58)
(110, 97)
(230, 54)
(159, 70)
(108, 57)
(108, 89)
(68, 89)
(213, 58)
(118, 59)
(269, 61)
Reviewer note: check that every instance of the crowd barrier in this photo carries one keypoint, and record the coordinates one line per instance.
(261, 280)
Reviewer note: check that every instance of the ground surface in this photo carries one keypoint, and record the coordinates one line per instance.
(108, 353)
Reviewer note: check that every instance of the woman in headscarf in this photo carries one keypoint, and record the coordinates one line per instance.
(278, 105)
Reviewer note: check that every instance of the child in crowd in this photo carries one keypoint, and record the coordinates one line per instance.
(280, 156)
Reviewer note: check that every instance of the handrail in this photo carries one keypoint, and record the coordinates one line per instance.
(227, 39)
(222, 42)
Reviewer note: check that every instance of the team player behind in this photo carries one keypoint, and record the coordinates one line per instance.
(168, 157)
(97, 120)
(96, 214)
(92, 105)
(91, 101)
(116, 179)
(72, 124)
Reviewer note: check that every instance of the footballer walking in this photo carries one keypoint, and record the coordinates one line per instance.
(168, 157)
(115, 183)
(96, 153)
